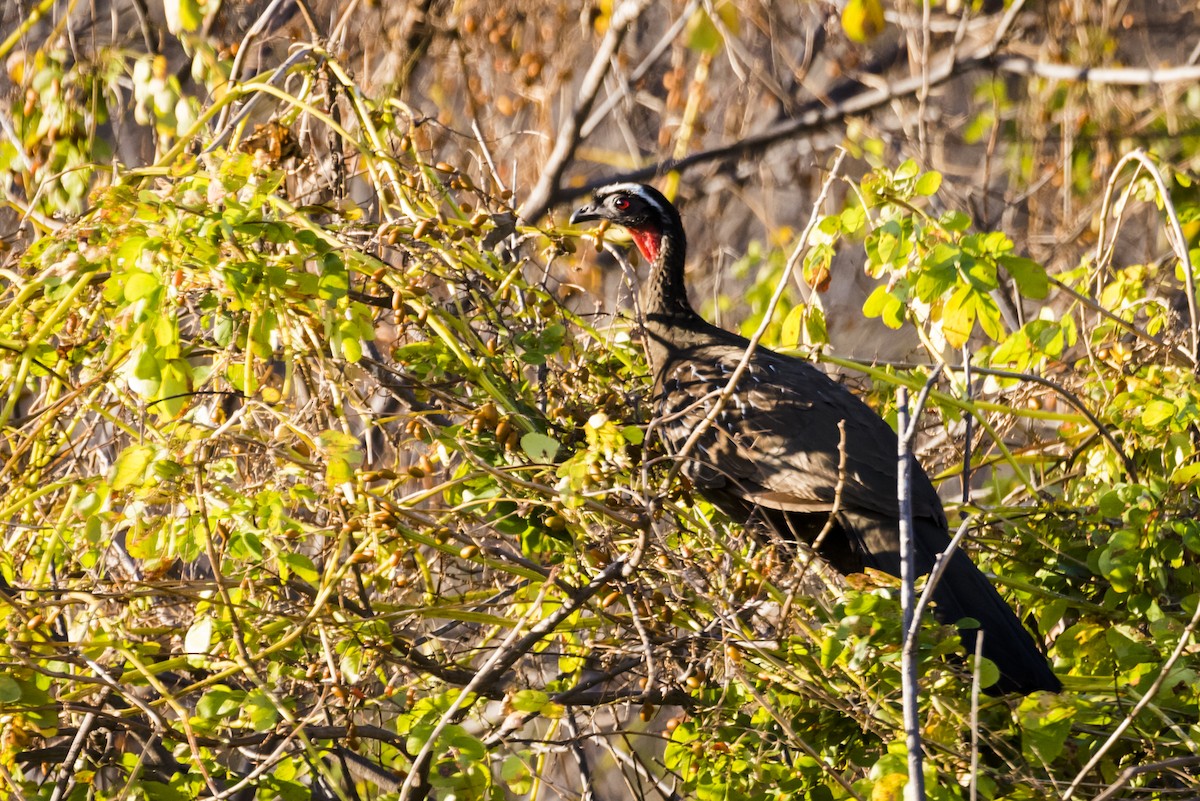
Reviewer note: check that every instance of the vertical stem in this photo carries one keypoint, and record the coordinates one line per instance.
(915, 791)
(967, 421)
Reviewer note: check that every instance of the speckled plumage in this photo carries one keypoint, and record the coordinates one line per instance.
(772, 454)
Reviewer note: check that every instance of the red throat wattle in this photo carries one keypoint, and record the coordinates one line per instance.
(648, 241)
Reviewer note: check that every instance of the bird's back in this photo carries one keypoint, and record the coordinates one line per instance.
(790, 447)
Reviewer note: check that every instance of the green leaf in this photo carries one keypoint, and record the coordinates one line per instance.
(907, 170)
(138, 285)
(131, 465)
(219, 702)
(633, 434)
(1030, 277)
(1045, 724)
(1186, 475)
(883, 304)
(928, 183)
(539, 447)
(529, 700)
(955, 221)
(173, 389)
(10, 691)
(702, 35)
(261, 711)
(299, 565)
(333, 284)
(1129, 652)
(517, 775)
(1157, 412)
(182, 15)
(989, 674)
(352, 349)
(940, 272)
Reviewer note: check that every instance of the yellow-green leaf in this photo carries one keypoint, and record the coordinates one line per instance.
(1157, 412)
(958, 316)
(793, 324)
(131, 465)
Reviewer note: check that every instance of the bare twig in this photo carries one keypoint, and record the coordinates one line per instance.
(1185, 639)
(1149, 767)
(1115, 76)
(514, 647)
(1177, 355)
(640, 70)
(1069, 397)
(539, 199)
(819, 114)
(908, 601)
(260, 25)
(1174, 234)
(975, 669)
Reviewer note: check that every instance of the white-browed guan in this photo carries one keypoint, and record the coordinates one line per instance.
(772, 455)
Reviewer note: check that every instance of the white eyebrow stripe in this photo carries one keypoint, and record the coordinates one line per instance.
(631, 189)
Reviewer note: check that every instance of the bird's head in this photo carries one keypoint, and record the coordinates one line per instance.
(640, 209)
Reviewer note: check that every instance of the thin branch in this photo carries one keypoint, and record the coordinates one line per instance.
(1174, 234)
(640, 70)
(539, 199)
(1069, 397)
(908, 665)
(1135, 770)
(817, 114)
(1118, 76)
(1176, 354)
(1184, 640)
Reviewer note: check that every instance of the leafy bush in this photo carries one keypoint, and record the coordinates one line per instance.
(304, 494)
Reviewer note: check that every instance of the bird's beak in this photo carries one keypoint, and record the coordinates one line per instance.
(586, 214)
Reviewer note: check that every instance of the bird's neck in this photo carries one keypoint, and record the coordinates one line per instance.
(664, 295)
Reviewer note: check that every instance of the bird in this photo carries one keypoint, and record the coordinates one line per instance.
(795, 451)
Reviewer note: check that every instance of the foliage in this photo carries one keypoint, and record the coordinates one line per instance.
(318, 480)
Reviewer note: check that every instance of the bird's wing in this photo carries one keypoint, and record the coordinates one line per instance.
(777, 441)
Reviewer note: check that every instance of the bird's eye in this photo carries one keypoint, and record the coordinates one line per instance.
(621, 203)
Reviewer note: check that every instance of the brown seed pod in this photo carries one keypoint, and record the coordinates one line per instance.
(488, 413)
